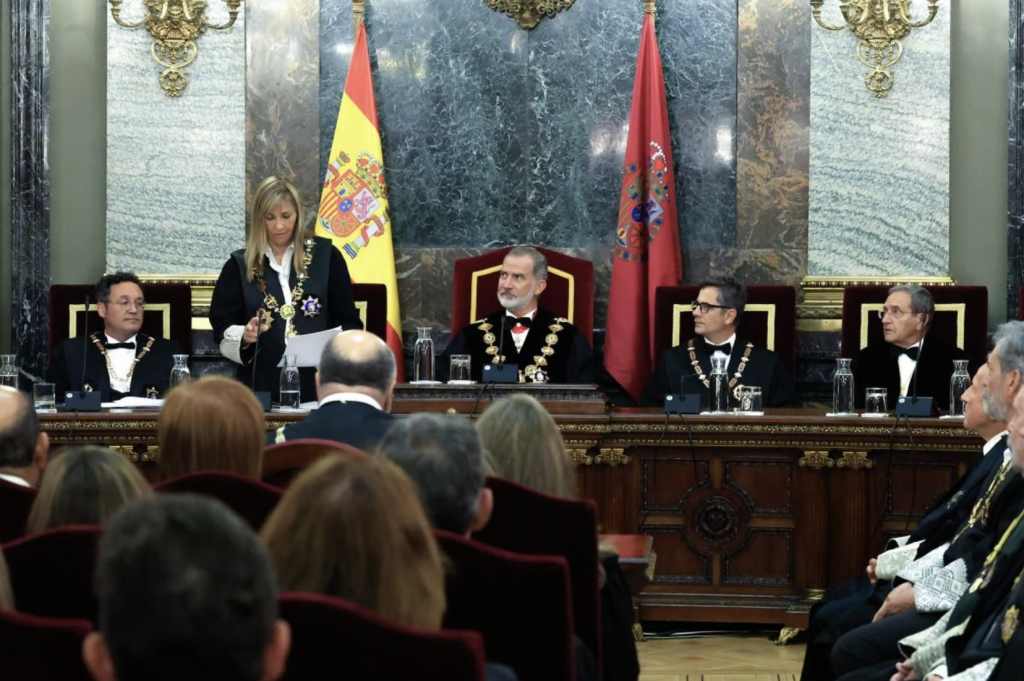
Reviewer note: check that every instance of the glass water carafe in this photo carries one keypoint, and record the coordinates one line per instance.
(719, 384)
(423, 356)
(842, 388)
(180, 373)
(290, 381)
(9, 371)
(959, 382)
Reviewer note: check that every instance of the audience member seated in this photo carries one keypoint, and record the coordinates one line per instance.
(523, 445)
(355, 385)
(24, 448)
(118, 360)
(686, 368)
(185, 591)
(213, 424)
(6, 593)
(903, 363)
(85, 486)
(444, 457)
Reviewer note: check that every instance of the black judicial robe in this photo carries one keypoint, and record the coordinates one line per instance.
(763, 369)
(877, 366)
(554, 351)
(350, 423)
(236, 300)
(149, 379)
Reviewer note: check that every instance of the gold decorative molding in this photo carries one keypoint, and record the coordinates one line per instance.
(855, 460)
(611, 456)
(786, 635)
(821, 305)
(175, 26)
(580, 456)
(528, 13)
(358, 15)
(150, 454)
(816, 458)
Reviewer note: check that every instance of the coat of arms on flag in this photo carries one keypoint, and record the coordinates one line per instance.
(354, 201)
(640, 216)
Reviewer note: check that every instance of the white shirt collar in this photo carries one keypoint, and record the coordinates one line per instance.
(114, 340)
(14, 480)
(993, 441)
(531, 315)
(286, 259)
(351, 397)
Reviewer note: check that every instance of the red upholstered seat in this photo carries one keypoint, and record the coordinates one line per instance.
(251, 499)
(15, 505)
(569, 293)
(769, 320)
(961, 318)
(168, 312)
(283, 461)
(51, 572)
(372, 304)
(34, 648)
(525, 521)
(495, 592)
(333, 639)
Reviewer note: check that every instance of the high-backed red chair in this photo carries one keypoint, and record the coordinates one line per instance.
(768, 321)
(283, 461)
(961, 318)
(372, 304)
(51, 572)
(494, 592)
(15, 505)
(525, 521)
(168, 312)
(37, 648)
(569, 293)
(251, 499)
(334, 639)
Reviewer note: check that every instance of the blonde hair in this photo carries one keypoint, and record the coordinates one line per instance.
(213, 424)
(352, 526)
(6, 592)
(84, 485)
(525, 446)
(272, 191)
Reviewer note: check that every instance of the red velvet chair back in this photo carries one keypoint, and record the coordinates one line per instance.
(569, 293)
(51, 572)
(36, 648)
(283, 461)
(251, 499)
(961, 318)
(333, 639)
(525, 521)
(168, 312)
(372, 304)
(769, 320)
(494, 592)
(15, 505)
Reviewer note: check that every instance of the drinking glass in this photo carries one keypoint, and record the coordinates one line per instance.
(44, 396)
(290, 398)
(180, 373)
(959, 382)
(874, 402)
(459, 372)
(749, 399)
(9, 371)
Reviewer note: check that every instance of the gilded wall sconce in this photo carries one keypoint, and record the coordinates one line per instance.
(880, 25)
(528, 13)
(175, 26)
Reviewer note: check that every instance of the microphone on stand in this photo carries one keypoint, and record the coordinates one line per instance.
(84, 401)
(263, 396)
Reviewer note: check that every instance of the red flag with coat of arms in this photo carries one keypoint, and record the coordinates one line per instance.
(647, 252)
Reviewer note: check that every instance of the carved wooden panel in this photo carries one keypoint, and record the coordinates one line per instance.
(766, 483)
(911, 487)
(766, 558)
(678, 562)
(667, 479)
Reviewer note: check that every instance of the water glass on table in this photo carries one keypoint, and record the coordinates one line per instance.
(44, 396)
(459, 372)
(750, 400)
(290, 383)
(875, 403)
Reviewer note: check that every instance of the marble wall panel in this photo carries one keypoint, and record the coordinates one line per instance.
(175, 165)
(880, 167)
(1015, 172)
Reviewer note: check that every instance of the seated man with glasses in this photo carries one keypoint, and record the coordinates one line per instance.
(901, 363)
(716, 314)
(119, 360)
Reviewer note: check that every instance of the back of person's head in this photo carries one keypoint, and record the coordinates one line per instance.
(213, 424)
(351, 526)
(525, 446)
(84, 486)
(444, 457)
(357, 360)
(6, 592)
(22, 444)
(185, 591)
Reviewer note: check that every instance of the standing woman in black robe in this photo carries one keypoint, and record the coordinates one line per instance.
(285, 282)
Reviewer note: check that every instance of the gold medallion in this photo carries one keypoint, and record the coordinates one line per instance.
(492, 351)
(551, 339)
(287, 311)
(489, 338)
(1010, 621)
(547, 351)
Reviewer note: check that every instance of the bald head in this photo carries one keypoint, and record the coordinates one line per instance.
(23, 447)
(357, 361)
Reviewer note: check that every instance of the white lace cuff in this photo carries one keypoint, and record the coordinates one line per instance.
(938, 590)
(919, 567)
(894, 560)
(231, 344)
(979, 672)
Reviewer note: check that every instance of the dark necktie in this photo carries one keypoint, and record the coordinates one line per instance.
(912, 352)
(120, 346)
(711, 348)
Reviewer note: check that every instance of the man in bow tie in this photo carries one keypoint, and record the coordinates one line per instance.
(905, 363)
(119, 359)
(546, 348)
(687, 368)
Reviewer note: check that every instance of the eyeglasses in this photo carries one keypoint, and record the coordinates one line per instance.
(892, 311)
(128, 304)
(706, 307)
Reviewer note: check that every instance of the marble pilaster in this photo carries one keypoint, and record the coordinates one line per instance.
(30, 195)
(1015, 172)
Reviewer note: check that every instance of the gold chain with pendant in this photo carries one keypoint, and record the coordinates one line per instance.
(286, 312)
(110, 365)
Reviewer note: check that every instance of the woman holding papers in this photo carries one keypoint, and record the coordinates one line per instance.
(284, 283)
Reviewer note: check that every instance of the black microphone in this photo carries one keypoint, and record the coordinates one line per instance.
(263, 396)
(84, 401)
(683, 403)
(499, 373)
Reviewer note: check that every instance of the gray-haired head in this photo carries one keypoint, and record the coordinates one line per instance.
(1009, 350)
(732, 295)
(540, 263)
(921, 301)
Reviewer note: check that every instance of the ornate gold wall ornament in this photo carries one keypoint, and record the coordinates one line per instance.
(175, 26)
(580, 456)
(528, 13)
(816, 459)
(855, 461)
(151, 453)
(879, 24)
(611, 456)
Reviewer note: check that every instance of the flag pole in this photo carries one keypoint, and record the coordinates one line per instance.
(359, 12)
(650, 7)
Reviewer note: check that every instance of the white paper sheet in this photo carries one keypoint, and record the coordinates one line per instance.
(134, 403)
(307, 348)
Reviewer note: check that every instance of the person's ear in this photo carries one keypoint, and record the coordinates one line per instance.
(541, 285)
(730, 317)
(101, 309)
(389, 396)
(41, 456)
(275, 656)
(97, 658)
(316, 382)
(484, 508)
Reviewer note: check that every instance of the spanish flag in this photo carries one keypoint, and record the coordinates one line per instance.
(354, 202)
